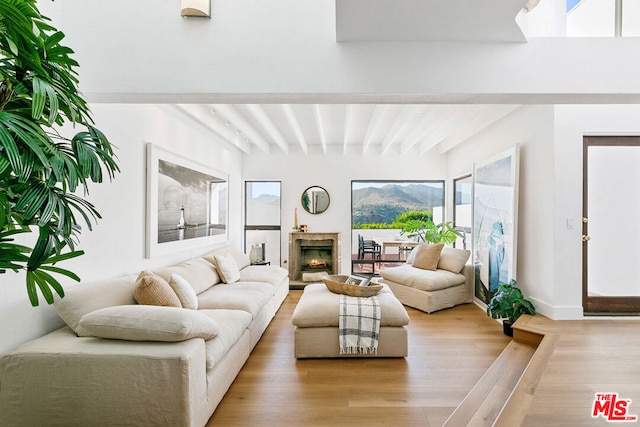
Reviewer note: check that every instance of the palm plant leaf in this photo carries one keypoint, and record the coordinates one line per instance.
(40, 169)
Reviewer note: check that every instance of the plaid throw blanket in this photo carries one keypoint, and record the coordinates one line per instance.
(359, 325)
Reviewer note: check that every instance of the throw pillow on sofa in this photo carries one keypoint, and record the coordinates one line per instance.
(184, 291)
(427, 256)
(241, 259)
(453, 259)
(199, 273)
(227, 268)
(151, 289)
(148, 323)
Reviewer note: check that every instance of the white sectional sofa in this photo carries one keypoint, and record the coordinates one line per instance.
(71, 377)
(448, 284)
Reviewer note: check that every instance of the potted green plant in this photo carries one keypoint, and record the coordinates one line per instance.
(50, 150)
(508, 303)
(428, 231)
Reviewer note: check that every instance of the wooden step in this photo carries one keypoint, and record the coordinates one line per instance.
(503, 394)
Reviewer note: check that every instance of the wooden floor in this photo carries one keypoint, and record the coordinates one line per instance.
(590, 356)
(449, 351)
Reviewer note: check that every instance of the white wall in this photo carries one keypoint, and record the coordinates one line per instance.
(551, 139)
(116, 245)
(334, 171)
(144, 51)
(532, 128)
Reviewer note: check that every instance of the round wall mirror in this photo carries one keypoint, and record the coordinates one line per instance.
(315, 200)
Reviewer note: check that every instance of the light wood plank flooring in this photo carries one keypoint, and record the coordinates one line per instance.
(449, 351)
(590, 356)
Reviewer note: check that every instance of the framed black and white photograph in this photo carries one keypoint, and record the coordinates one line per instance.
(186, 203)
(495, 221)
(357, 280)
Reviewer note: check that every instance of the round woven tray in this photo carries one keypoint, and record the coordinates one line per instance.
(337, 285)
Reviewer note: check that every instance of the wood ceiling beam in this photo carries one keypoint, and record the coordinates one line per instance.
(399, 126)
(203, 123)
(481, 121)
(231, 114)
(320, 123)
(261, 116)
(295, 125)
(374, 126)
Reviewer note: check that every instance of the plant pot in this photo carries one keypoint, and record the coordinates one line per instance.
(506, 328)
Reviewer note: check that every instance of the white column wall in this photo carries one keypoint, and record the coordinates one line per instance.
(116, 245)
(532, 128)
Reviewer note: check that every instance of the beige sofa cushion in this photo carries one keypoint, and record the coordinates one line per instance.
(271, 274)
(152, 289)
(85, 298)
(200, 274)
(247, 296)
(427, 256)
(453, 259)
(425, 280)
(184, 291)
(232, 324)
(148, 323)
(320, 307)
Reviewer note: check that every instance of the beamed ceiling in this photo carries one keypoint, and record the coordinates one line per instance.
(342, 128)
(373, 128)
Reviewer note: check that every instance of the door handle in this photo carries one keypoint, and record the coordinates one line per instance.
(585, 238)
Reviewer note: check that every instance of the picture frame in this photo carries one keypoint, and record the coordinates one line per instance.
(357, 280)
(495, 221)
(186, 203)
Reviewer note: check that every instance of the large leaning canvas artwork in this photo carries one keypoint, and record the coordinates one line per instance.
(495, 213)
(186, 203)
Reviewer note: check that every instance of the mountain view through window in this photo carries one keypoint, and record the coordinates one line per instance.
(380, 211)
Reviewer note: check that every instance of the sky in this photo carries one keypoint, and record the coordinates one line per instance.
(571, 4)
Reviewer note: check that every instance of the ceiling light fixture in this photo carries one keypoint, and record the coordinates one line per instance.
(199, 8)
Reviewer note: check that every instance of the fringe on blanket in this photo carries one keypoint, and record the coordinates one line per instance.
(359, 325)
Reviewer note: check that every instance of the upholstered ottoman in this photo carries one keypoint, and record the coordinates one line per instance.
(316, 321)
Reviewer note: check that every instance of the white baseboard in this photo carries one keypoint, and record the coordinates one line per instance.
(557, 312)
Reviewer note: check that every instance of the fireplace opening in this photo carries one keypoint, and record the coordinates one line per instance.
(316, 259)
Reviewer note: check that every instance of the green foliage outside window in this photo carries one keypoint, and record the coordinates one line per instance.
(399, 222)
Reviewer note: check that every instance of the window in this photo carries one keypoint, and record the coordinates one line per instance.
(462, 209)
(603, 18)
(379, 210)
(262, 221)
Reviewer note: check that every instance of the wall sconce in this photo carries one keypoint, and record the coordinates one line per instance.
(201, 8)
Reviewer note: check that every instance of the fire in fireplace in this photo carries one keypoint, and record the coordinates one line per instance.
(315, 258)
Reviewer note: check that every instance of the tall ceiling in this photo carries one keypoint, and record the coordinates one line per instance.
(374, 128)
